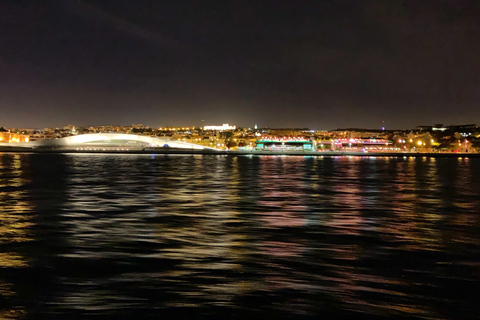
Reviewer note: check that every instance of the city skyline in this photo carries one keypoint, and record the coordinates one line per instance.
(233, 127)
(321, 65)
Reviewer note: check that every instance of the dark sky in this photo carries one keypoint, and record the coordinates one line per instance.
(317, 64)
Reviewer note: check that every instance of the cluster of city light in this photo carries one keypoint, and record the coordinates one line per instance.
(419, 142)
(176, 129)
(363, 141)
(381, 148)
(359, 140)
(268, 138)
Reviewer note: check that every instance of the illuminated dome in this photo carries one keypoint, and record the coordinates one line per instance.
(114, 140)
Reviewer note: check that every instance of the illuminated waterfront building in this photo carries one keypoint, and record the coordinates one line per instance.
(8, 137)
(285, 143)
(370, 144)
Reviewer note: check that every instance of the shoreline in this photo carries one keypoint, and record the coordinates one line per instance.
(241, 153)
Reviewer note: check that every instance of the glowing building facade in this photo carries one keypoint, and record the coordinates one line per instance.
(223, 127)
(8, 137)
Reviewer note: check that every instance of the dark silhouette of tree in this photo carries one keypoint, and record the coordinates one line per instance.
(227, 137)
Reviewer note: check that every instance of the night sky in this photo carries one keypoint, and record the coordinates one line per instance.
(317, 64)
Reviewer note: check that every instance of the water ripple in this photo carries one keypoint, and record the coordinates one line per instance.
(144, 236)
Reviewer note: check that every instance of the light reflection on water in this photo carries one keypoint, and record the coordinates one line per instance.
(125, 235)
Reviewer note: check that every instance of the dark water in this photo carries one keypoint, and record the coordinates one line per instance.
(140, 236)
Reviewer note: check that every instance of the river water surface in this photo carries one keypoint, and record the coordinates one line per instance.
(175, 236)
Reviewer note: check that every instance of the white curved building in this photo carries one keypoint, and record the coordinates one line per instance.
(109, 141)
